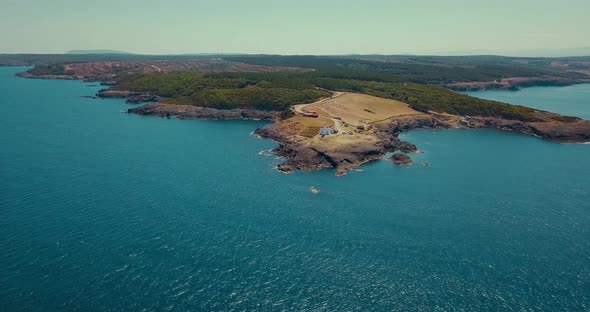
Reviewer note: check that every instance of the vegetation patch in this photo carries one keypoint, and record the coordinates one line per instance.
(278, 91)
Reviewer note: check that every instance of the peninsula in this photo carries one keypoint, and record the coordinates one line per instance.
(336, 112)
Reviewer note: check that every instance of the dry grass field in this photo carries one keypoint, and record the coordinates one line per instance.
(304, 126)
(356, 109)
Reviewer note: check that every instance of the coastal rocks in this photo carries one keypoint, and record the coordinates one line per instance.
(406, 123)
(132, 97)
(114, 94)
(52, 77)
(196, 112)
(407, 147)
(349, 156)
(569, 131)
(142, 98)
(298, 157)
(285, 168)
(400, 159)
(340, 152)
(308, 154)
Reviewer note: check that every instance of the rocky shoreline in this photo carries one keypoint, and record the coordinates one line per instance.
(196, 112)
(560, 132)
(131, 97)
(105, 81)
(302, 155)
(52, 77)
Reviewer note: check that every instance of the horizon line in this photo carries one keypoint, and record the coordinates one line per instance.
(451, 54)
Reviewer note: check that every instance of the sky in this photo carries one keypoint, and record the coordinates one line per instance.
(296, 27)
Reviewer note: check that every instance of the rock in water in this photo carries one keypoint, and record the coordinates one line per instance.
(401, 159)
(407, 147)
(286, 169)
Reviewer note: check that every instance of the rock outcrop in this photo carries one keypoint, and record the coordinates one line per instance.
(400, 159)
(407, 147)
(577, 131)
(131, 97)
(195, 112)
(342, 153)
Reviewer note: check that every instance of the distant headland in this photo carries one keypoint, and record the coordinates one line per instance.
(97, 52)
(329, 112)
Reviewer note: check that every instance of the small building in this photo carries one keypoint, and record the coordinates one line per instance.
(325, 130)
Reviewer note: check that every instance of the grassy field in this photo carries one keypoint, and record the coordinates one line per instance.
(304, 126)
(355, 109)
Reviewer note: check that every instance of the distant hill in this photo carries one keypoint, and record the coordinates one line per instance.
(565, 52)
(97, 52)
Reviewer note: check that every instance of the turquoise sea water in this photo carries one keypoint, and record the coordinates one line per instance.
(571, 100)
(102, 211)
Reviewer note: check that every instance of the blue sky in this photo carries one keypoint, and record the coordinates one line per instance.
(294, 27)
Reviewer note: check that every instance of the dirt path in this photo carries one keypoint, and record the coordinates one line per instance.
(158, 69)
(299, 109)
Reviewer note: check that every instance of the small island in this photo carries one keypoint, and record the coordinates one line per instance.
(335, 112)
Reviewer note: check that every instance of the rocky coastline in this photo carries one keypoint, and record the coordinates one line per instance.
(28, 75)
(131, 97)
(577, 131)
(196, 112)
(302, 155)
(401, 159)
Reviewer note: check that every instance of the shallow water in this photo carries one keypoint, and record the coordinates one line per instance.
(107, 211)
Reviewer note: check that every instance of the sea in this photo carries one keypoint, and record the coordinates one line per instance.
(570, 100)
(105, 211)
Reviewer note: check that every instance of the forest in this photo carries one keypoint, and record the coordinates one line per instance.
(278, 91)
